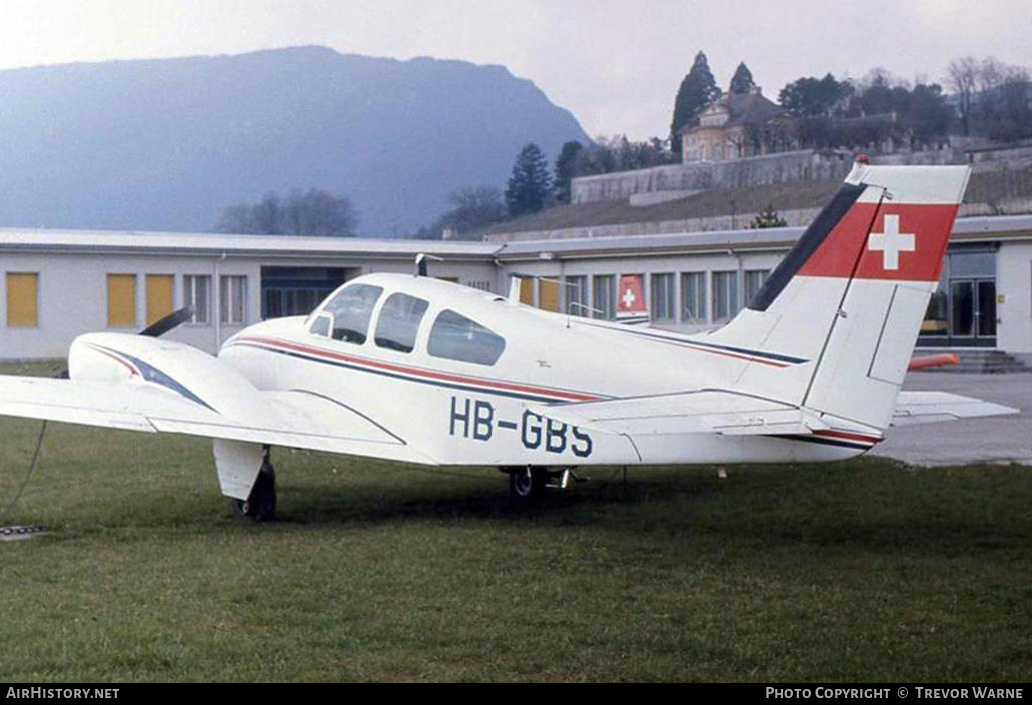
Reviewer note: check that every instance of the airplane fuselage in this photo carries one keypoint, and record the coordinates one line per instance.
(467, 413)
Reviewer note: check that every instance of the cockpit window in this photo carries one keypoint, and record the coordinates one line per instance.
(351, 310)
(455, 337)
(399, 321)
(321, 326)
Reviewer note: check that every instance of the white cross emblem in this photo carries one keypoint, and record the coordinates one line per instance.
(891, 242)
(628, 298)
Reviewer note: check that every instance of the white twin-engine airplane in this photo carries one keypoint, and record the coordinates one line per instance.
(415, 370)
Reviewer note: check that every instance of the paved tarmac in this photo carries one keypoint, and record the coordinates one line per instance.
(1000, 439)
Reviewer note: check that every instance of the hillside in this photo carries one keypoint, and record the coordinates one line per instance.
(166, 144)
(1003, 191)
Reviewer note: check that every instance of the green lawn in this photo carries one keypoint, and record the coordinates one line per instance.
(859, 571)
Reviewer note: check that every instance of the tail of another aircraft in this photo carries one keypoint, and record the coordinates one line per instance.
(838, 319)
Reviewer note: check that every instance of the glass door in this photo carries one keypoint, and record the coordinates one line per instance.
(962, 309)
(973, 312)
(985, 310)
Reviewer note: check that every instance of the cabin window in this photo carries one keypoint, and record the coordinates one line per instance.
(321, 326)
(399, 321)
(456, 337)
(351, 310)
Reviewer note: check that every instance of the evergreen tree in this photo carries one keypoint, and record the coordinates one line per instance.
(698, 89)
(742, 82)
(769, 218)
(565, 169)
(530, 182)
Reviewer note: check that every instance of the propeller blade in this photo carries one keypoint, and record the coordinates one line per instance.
(164, 325)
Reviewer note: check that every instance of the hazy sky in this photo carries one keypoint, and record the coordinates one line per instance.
(615, 63)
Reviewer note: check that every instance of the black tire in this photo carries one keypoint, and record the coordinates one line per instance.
(527, 484)
(261, 503)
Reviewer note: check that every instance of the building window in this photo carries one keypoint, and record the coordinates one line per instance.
(527, 291)
(754, 279)
(159, 290)
(121, 300)
(548, 294)
(577, 296)
(604, 300)
(22, 299)
(663, 297)
(233, 305)
(197, 295)
(693, 292)
(725, 295)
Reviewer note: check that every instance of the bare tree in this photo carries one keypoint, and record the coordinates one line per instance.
(962, 77)
(313, 212)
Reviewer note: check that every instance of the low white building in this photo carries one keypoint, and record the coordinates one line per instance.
(58, 284)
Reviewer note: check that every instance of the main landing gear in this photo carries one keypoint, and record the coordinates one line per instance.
(528, 484)
(261, 503)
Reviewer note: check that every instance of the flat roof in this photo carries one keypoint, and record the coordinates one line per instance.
(992, 227)
(974, 228)
(213, 244)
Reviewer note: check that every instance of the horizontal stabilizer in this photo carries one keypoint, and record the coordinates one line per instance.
(704, 411)
(931, 407)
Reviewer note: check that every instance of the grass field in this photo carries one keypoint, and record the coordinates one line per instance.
(859, 571)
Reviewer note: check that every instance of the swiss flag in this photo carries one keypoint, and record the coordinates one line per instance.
(898, 241)
(630, 299)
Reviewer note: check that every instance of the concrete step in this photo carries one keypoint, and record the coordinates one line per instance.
(987, 361)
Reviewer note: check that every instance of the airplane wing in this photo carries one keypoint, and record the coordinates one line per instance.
(703, 411)
(289, 419)
(930, 407)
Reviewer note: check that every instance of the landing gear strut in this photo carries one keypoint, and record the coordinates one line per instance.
(527, 484)
(260, 505)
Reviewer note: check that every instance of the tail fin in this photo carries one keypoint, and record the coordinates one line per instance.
(630, 301)
(846, 304)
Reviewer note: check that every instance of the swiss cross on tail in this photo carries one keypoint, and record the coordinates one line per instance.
(900, 241)
(891, 242)
(630, 299)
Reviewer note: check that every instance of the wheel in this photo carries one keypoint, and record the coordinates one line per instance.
(261, 503)
(527, 484)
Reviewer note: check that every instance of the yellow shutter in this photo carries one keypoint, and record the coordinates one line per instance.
(159, 296)
(22, 297)
(121, 302)
(527, 291)
(548, 295)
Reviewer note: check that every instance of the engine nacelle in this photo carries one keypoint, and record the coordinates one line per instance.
(176, 367)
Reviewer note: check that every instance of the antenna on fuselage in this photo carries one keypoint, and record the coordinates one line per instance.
(421, 259)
